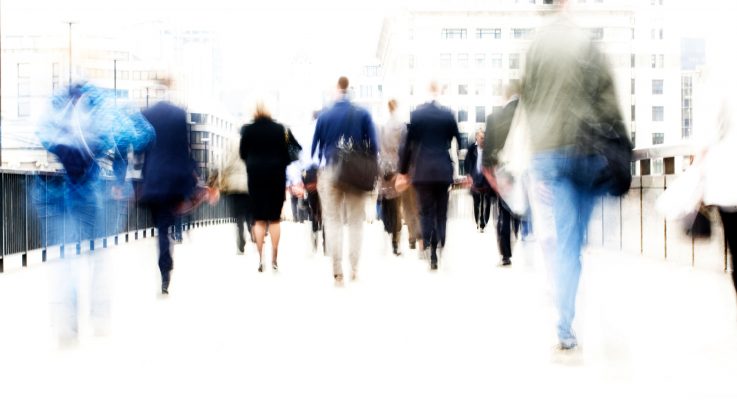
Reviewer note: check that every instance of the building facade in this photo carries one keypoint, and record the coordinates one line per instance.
(475, 52)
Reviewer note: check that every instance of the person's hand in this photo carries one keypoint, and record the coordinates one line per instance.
(401, 183)
(297, 190)
(213, 195)
(468, 182)
(116, 192)
(491, 178)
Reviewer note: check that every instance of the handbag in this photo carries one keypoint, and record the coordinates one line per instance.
(514, 159)
(700, 227)
(293, 148)
(606, 149)
(356, 166)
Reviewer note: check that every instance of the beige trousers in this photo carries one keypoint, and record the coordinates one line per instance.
(339, 208)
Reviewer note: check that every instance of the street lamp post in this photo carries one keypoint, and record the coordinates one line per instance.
(70, 52)
(115, 81)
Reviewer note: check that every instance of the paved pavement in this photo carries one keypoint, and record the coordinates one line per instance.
(470, 331)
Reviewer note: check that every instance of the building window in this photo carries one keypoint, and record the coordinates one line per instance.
(488, 33)
(632, 112)
(496, 87)
(372, 71)
(462, 115)
(522, 33)
(632, 61)
(514, 61)
(445, 59)
(480, 59)
(656, 2)
(496, 60)
(658, 113)
(656, 34)
(198, 118)
(463, 89)
(657, 86)
(198, 137)
(633, 136)
(24, 108)
(411, 61)
(597, 33)
(480, 114)
(632, 86)
(657, 61)
(480, 88)
(453, 33)
(463, 60)
(658, 138)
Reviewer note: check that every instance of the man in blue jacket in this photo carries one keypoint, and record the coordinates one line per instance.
(341, 121)
(432, 127)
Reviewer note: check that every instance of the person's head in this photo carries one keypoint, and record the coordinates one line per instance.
(392, 104)
(434, 89)
(261, 110)
(480, 135)
(512, 89)
(343, 85)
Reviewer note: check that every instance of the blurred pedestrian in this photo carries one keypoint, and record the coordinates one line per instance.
(343, 124)
(169, 176)
(480, 188)
(568, 90)
(497, 129)
(87, 132)
(391, 214)
(432, 128)
(264, 148)
(234, 182)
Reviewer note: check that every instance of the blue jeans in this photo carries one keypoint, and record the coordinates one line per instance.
(562, 201)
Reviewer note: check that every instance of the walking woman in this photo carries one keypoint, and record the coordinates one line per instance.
(264, 149)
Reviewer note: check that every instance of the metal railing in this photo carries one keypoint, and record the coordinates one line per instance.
(24, 227)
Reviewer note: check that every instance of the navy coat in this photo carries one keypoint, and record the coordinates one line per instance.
(427, 151)
(169, 173)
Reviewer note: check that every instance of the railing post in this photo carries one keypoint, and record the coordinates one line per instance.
(24, 256)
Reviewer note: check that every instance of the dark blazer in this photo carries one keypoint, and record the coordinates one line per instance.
(469, 164)
(169, 173)
(497, 130)
(430, 131)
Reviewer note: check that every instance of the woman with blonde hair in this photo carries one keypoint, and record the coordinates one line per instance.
(264, 148)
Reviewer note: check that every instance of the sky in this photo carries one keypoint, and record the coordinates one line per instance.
(260, 39)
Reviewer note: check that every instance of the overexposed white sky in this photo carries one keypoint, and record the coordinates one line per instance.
(259, 39)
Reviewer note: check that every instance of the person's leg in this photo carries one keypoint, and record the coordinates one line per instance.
(476, 208)
(239, 214)
(392, 206)
(729, 220)
(331, 199)
(486, 208)
(163, 216)
(561, 211)
(504, 232)
(275, 232)
(356, 215)
(259, 231)
(424, 210)
(441, 196)
(295, 213)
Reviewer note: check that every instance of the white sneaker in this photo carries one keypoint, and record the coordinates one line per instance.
(568, 356)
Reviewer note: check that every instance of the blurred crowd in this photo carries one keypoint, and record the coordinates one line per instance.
(558, 143)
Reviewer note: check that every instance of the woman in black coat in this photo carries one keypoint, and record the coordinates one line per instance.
(264, 149)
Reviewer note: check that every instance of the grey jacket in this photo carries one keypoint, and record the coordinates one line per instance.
(567, 82)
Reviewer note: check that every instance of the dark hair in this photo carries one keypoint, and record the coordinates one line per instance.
(343, 83)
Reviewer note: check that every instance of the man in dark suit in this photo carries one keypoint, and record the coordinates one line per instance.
(169, 176)
(480, 188)
(497, 129)
(431, 130)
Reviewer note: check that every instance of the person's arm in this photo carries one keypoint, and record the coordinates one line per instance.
(370, 129)
(243, 149)
(317, 141)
